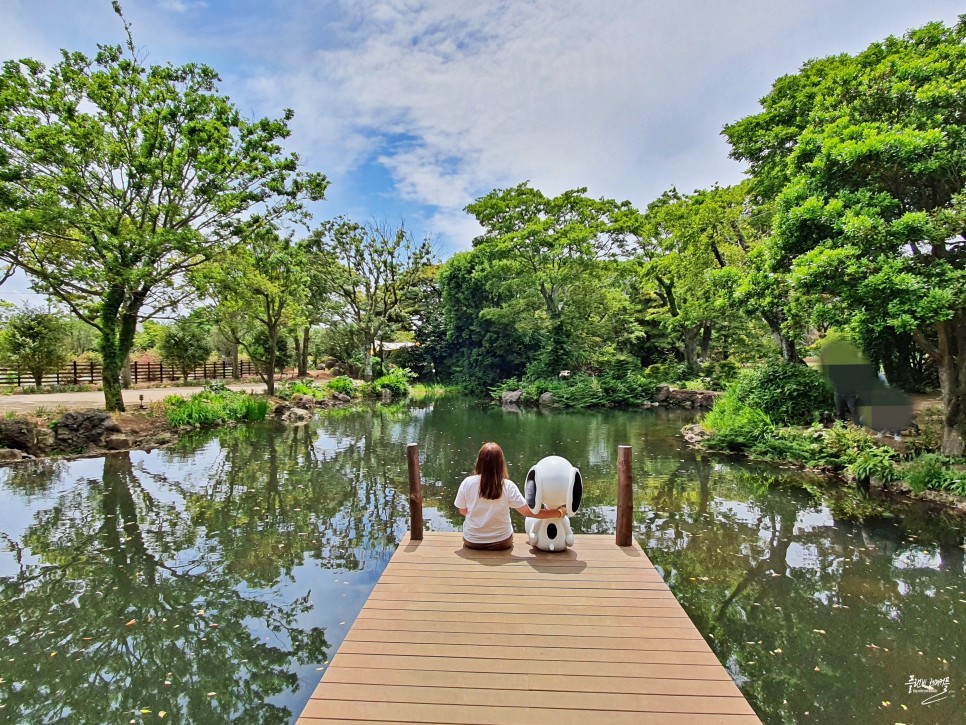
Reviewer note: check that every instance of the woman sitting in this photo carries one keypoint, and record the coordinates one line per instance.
(485, 499)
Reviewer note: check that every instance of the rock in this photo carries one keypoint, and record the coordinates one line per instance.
(705, 399)
(661, 393)
(694, 434)
(117, 442)
(19, 434)
(10, 454)
(45, 439)
(511, 397)
(297, 415)
(78, 430)
(281, 409)
(341, 397)
(546, 400)
(306, 402)
(386, 395)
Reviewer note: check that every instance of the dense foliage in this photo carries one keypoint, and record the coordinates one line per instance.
(34, 341)
(789, 394)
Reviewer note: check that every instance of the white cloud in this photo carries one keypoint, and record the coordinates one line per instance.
(181, 6)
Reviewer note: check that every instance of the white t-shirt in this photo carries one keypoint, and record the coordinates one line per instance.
(487, 519)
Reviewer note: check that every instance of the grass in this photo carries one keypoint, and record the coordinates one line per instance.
(213, 408)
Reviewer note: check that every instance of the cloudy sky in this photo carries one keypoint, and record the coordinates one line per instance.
(414, 108)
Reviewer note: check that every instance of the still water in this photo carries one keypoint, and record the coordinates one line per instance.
(214, 580)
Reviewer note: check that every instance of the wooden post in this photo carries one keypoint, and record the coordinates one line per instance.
(415, 493)
(625, 497)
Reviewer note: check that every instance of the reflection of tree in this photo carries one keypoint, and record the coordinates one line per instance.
(778, 594)
(129, 607)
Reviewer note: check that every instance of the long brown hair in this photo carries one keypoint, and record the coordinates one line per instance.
(491, 465)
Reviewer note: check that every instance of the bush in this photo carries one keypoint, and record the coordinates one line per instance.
(289, 390)
(669, 372)
(211, 408)
(342, 384)
(876, 462)
(790, 444)
(788, 393)
(718, 375)
(396, 381)
(929, 470)
(735, 426)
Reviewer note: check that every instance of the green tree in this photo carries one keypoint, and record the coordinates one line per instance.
(868, 158)
(257, 291)
(35, 341)
(186, 343)
(546, 261)
(119, 178)
(375, 267)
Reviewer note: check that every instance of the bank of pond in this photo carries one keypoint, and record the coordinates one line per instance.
(213, 579)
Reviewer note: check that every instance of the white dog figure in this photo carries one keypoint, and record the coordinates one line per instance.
(553, 482)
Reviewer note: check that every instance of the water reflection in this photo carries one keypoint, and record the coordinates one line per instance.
(214, 580)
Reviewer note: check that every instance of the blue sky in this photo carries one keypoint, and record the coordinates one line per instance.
(414, 108)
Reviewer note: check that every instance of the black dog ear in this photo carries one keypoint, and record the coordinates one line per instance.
(530, 490)
(577, 492)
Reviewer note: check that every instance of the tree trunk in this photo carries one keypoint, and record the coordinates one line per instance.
(304, 360)
(111, 355)
(691, 349)
(299, 372)
(788, 346)
(270, 362)
(38, 378)
(952, 380)
(126, 372)
(235, 372)
(706, 341)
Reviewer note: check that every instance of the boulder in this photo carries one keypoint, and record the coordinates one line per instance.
(511, 397)
(10, 454)
(546, 400)
(341, 397)
(297, 415)
(661, 393)
(19, 434)
(117, 442)
(306, 402)
(78, 430)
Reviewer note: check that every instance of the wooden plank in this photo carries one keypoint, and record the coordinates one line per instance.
(538, 699)
(619, 670)
(663, 609)
(634, 641)
(651, 620)
(592, 634)
(567, 629)
(577, 583)
(548, 600)
(474, 590)
(532, 681)
(496, 715)
(556, 654)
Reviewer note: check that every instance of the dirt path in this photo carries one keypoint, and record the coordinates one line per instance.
(86, 401)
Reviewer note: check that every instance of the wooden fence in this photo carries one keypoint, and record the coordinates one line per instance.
(156, 372)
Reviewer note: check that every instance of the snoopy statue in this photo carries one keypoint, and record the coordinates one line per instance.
(551, 483)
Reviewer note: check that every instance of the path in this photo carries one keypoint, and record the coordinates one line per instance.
(95, 399)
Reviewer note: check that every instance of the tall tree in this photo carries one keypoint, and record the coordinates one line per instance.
(545, 259)
(36, 341)
(868, 156)
(120, 177)
(187, 343)
(256, 292)
(376, 264)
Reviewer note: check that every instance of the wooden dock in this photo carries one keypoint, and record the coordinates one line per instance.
(591, 635)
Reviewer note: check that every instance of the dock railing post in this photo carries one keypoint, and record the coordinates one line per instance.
(415, 494)
(625, 497)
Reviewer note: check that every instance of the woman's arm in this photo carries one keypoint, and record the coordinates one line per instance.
(464, 511)
(557, 513)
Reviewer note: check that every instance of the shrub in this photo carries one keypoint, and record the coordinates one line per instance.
(735, 426)
(396, 381)
(929, 470)
(342, 384)
(872, 463)
(718, 375)
(790, 444)
(669, 372)
(289, 390)
(788, 393)
(845, 441)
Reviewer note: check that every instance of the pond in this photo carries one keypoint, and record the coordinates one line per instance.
(214, 580)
